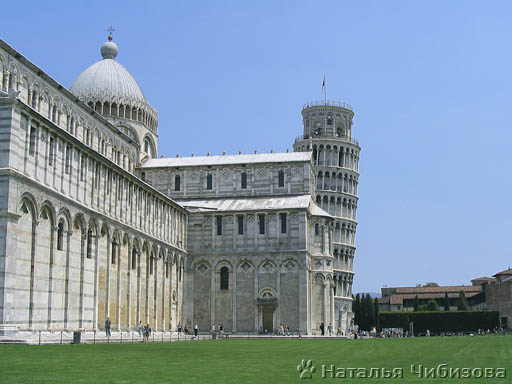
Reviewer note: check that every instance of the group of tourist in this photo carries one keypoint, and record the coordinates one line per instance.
(185, 329)
(144, 331)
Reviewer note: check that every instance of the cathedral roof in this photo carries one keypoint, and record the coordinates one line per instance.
(228, 159)
(108, 81)
(256, 204)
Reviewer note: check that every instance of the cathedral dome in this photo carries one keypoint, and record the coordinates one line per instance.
(107, 80)
(108, 88)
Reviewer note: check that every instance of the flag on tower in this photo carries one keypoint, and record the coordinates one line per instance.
(324, 90)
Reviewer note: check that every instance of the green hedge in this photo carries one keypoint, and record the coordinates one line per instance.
(449, 321)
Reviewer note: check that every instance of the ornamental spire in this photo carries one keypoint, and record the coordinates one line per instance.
(110, 30)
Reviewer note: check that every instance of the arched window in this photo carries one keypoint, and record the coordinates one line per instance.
(209, 181)
(54, 113)
(34, 100)
(60, 236)
(177, 181)
(134, 258)
(243, 181)
(89, 243)
(281, 179)
(151, 265)
(224, 279)
(148, 147)
(114, 251)
(317, 229)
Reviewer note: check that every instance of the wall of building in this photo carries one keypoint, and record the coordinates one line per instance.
(262, 180)
(499, 298)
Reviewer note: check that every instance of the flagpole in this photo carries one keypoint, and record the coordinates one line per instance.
(324, 89)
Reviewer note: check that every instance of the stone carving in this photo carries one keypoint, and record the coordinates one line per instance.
(245, 267)
(250, 218)
(229, 219)
(272, 217)
(289, 266)
(203, 267)
(267, 267)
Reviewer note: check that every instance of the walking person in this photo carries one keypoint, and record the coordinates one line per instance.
(195, 329)
(140, 328)
(144, 332)
(107, 327)
(186, 329)
(148, 332)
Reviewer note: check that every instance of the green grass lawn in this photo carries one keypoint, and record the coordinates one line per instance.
(248, 361)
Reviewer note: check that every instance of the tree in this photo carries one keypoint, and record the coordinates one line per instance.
(432, 305)
(356, 308)
(370, 313)
(446, 302)
(367, 313)
(416, 303)
(431, 284)
(462, 305)
(376, 321)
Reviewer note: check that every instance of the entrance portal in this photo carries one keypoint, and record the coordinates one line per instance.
(268, 318)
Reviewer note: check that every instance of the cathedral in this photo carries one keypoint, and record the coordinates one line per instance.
(94, 226)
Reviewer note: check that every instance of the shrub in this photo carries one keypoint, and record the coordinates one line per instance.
(454, 321)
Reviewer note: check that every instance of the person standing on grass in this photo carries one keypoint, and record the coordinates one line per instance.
(179, 327)
(148, 332)
(140, 328)
(322, 329)
(195, 329)
(329, 327)
(186, 329)
(107, 327)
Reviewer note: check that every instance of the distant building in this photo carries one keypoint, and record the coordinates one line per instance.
(401, 299)
(499, 297)
(492, 293)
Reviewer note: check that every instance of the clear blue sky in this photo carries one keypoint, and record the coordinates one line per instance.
(430, 83)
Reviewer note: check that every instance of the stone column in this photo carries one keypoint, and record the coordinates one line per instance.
(278, 294)
(118, 263)
(83, 242)
(107, 283)
(233, 289)
(257, 312)
(6, 81)
(326, 306)
(128, 285)
(50, 276)
(333, 320)
(212, 293)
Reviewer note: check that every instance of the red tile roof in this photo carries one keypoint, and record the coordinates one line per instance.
(507, 272)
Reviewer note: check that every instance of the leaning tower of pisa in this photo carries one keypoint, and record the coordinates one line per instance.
(328, 134)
